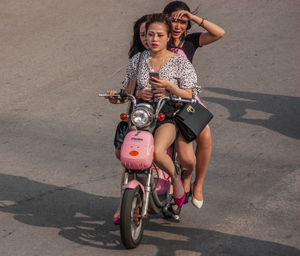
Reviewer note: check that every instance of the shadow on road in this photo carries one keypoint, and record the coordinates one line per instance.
(86, 219)
(283, 111)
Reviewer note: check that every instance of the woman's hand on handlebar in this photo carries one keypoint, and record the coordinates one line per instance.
(112, 100)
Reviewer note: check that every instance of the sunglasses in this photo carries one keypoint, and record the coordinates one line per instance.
(181, 22)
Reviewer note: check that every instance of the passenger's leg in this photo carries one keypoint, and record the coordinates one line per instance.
(187, 160)
(164, 136)
(203, 152)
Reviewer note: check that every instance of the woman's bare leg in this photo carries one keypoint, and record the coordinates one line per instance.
(164, 136)
(203, 152)
(187, 160)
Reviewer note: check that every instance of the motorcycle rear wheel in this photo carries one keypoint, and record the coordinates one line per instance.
(154, 203)
(131, 222)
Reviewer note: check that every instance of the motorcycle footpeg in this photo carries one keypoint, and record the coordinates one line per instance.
(169, 214)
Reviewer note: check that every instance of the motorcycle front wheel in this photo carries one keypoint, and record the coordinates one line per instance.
(131, 222)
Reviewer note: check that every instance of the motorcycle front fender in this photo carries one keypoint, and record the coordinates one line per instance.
(133, 184)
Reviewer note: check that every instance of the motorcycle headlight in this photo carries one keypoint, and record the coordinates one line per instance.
(142, 115)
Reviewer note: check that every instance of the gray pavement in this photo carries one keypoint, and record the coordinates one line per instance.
(59, 180)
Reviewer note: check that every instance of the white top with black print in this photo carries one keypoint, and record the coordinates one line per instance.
(178, 70)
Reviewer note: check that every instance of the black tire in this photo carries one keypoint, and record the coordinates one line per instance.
(131, 223)
(167, 212)
(153, 206)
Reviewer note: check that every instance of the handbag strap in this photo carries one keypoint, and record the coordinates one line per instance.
(133, 89)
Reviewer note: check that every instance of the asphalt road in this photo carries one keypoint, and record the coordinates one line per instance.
(59, 180)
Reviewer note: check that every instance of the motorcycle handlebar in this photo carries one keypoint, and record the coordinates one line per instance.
(122, 95)
(161, 102)
(178, 99)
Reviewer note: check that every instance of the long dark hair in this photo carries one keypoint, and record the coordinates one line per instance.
(136, 44)
(178, 6)
(160, 18)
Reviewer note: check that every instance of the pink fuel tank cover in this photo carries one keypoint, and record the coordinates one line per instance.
(137, 150)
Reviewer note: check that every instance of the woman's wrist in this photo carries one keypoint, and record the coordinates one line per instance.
(195, 18)
(113, 101)
(137, 94)
(202, 22)
(169, 87)
(198, 20)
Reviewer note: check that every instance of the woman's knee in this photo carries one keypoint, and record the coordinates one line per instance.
(204, 138)
(188, 161)
(186, 157)
(163, 139)
(160, 153)
(185, 153)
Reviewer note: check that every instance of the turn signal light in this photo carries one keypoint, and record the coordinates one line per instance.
(161, 117)
(123, 116)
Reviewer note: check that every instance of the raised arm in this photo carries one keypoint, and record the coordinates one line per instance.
(214, 32)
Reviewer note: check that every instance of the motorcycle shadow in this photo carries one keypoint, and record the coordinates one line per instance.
(171, 239)
(85, 219)
(79, 216)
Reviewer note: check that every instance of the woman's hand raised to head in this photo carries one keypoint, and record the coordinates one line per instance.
(182, 13)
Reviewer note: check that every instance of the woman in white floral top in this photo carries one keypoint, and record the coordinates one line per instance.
(176, 76)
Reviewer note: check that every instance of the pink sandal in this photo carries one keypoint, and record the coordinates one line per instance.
(180, 201)
(116, 220)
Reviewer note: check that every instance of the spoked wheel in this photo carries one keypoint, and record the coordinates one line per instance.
(131, 225)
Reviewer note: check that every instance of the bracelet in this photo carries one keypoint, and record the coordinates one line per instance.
(202, 22)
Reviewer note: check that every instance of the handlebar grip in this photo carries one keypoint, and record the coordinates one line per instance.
(108, 95)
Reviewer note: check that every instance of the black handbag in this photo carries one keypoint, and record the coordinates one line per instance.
(121, 131)
(191, 120)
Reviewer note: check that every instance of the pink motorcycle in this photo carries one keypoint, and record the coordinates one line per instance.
(146, 189)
